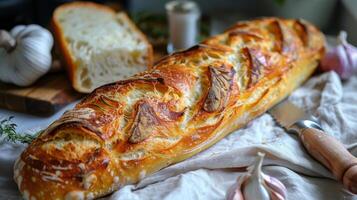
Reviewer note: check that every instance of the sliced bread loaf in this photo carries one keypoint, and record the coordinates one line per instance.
(99, 46)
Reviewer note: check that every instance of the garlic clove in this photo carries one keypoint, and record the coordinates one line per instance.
(350, 50)
(253, 188)
(235, 192)
(342, 58)
(276, 189)
(336, 60)
(256, 185)
(276, 196)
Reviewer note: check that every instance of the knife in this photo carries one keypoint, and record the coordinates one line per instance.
(323, 147)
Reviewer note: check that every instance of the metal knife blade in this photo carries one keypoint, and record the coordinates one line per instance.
(286, 113)
(323, 147)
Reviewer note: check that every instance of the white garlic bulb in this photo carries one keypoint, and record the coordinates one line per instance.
(25, 54)
(255, 185)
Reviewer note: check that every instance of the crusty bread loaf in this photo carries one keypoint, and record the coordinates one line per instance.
(127, 130)
(98, 45)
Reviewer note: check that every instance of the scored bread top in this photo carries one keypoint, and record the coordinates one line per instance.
(125, 130)
(99, 45)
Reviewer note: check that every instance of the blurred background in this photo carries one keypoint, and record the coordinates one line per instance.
(329, 15)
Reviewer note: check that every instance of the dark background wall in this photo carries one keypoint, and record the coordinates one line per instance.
(329, 15)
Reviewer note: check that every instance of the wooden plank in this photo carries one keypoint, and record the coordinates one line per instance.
(45, 97)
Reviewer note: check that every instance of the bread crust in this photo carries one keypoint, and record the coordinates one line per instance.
(66, 57)
(188, 101)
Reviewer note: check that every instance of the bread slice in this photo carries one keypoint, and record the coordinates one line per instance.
(98, 45)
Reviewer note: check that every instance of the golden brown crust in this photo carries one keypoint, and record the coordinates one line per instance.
(187, 102)
(63, 47)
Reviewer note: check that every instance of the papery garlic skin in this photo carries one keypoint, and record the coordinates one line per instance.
(341, 58)
(30, 58)
(234, 192)
(276, 189)
(255, 185)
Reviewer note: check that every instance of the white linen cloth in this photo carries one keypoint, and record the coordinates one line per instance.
(209, 174)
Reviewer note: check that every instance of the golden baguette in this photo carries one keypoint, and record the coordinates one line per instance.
(188, 101)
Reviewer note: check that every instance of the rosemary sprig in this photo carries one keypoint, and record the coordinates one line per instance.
(8, 132)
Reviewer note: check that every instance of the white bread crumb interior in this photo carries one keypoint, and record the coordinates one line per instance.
(104, 47)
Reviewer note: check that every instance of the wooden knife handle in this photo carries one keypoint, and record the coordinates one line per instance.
(332, 154)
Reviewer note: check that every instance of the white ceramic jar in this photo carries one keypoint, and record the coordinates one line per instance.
(183, 19)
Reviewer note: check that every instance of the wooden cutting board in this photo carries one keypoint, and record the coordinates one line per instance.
(45, 97)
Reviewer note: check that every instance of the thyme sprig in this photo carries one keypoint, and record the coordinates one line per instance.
(8, 132)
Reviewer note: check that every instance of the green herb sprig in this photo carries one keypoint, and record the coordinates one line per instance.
(280, 2)
(8, 132)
